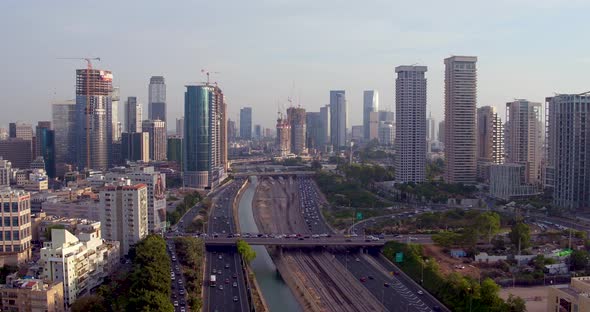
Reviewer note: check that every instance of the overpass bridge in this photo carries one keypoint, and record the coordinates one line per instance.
(273, 173)
(314, 242)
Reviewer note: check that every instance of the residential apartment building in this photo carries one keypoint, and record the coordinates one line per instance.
(460, 105)
(31, 295)
(15, 227)
(490, 140)
(80, 262)
(156, 130)
(570, 298)
(507, 181)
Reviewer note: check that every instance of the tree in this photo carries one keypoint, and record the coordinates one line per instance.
(246, 251)
(89, 303)
(579, 259)
(489, 293)
(446, 239)
(520, 235)
(515, 304)
(488, 225)
(316, 165)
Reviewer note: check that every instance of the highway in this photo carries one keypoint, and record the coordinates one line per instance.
(309, 241)
(230, 294)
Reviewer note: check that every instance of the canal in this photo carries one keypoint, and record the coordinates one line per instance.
(277, 294)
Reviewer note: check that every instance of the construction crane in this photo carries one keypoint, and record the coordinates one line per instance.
(88, 107)
(208, 73)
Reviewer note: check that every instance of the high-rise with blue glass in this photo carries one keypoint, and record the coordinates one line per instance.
(204, 151)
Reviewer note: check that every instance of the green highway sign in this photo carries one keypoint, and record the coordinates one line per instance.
(399, 257)
(359, 215)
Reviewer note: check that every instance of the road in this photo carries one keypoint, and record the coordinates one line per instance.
(178, 295)
(307, 240)
(230, 293)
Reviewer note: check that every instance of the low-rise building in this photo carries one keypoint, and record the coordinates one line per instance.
(15, 227)
(80, 261)
(508, 181)
(31, 295)
(574, 297)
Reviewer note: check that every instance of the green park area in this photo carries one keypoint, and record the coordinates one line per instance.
(190, 251)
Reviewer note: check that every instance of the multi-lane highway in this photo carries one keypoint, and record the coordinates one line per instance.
(229, 293)
(301, 240)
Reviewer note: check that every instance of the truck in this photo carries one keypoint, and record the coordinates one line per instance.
(212, 281)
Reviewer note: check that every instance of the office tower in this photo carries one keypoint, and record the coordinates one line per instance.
(296, 117)
(3, 134)
(124, 214)
(357, 133)
(325, 130)
(64, 126)
(460, 105)
(117, 129)
(15, 244)
(135, 146)
(386, 132)
(5, 172)
(94, 131)
(370, 105)
(524, 137)
(313, 130)
(430, 128)
(441, 131)
(338, 119)
(21, 130)
(490, 136)
(157, 99)
(386, 116)
(246, 123)
(156, 190)
(180, 127)
(283, 136)
(231, 130)
(568, 150)
(132, 115)
(410, 135)
(203, 146)
(174, 149)
(18, 151)
(257, 132)
(157, 136)
(45, 145)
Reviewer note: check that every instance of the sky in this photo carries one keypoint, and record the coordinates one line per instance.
(267, 51)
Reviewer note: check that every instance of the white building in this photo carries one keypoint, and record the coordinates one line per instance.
(460, 105)
(508, 181)
(15, 213)
(80, 262)
(410, 135)
(124, 213)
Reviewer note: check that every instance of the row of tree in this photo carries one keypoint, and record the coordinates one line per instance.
(145, 287)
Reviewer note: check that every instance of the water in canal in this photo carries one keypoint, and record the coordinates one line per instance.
(277, 294)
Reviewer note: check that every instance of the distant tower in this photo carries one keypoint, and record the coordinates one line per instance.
(370, 105)
(296, 117)
(283, 136)
(460, 106)
(338, 119)
(157, 99)
(132, 115)
(410, 109)
(246, 123)
(115, 115)
(157, 133)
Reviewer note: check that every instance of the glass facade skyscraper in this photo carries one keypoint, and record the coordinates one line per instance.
(157, 99)
(64, 126)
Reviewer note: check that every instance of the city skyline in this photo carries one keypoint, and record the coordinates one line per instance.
(389, 44)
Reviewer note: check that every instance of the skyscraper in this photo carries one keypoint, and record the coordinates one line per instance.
(203, 152)
(132, 115)
(64, 125)
(21, 130)
(231, 130)
(257, 132)
(117, 129)
(157, 99)
(135, 146)
(157, 136)
(524, 137)
(410, 135)
(370, 104)
(94, 130)
(460, 105)
(490, 136)
(283, 136)
(180, 127)
(338, 119)
(430, 128)
(441, 131)
(246, 123)
(45, 145)
(325, 126)
(568, 146)
(296, 117)
(313, 130)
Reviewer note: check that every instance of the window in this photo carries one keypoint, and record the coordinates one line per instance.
(15, 235)
(15, 207)
(16, 248)
(6, 207)
(6, 221)
(7, 235)
(14, 221)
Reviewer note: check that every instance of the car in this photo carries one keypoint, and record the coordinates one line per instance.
(181, 291)
(234, 275)
(436, 308)
(386, 284)
(175, 303)
(179, 282)
(227, 265)
(220, 287)
(357, 260)
(214, 271)
(371, 277)
(227, 280)
(182, 309)
(235, 298)
(363, 279)
(301, 238)
(420, 292)
(220, 257)
(235, 284)
(348, 240)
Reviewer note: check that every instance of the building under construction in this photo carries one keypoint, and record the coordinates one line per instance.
(296, 117)
(283, 136)
(94, 118)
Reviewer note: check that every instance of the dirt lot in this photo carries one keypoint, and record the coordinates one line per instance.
(448, 264)
(535, 297)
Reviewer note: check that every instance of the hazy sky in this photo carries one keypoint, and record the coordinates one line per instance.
(267, 51)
